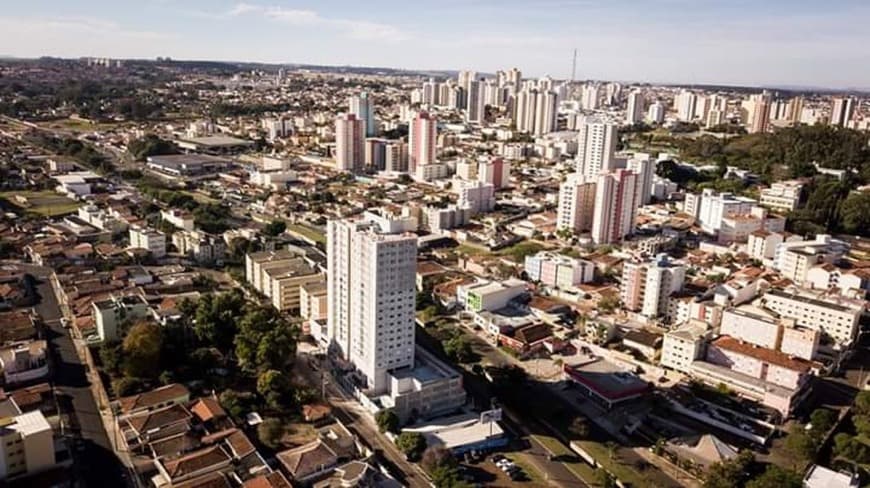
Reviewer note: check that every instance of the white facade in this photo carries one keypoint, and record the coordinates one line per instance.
(371, 294)
(682, 346)
(782, 195)
(476, 196)
(615, 206)
(715, 206)
(153, 241)
(838, 319)
(794, 259)
(634, 110)
(596, 143)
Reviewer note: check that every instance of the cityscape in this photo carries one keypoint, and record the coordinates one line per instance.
(259, 274)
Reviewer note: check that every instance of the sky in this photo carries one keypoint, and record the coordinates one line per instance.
(820, 43)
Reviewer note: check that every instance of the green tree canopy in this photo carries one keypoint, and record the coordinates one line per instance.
(387, 420)
(412, 444)
(142, 350)
(265, 340)
(776, 477)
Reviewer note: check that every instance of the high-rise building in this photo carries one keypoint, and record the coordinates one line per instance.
(495, 171)
(546, 106)
(364, 108)
(842, 111)
(589, 97)
(714, 117)
(685, 104)
(422, 136)
(371, 293)
(642, 165)
(524, 110)
(545, 83)
(475, 107)
(375, 153)
(656, 113)
(349, 137)
(647, 286)
(396, 157)
(431, 93)
(793, 109)
(615, 206)
(634, 109)
(596, 143)
(759, 112)
(576, 204)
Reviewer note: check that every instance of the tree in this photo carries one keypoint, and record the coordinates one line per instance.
(800, 445)
(275, 228)
(233, 403)
(216, 317)
(265, 340)
(274, 386)
(270, 432)
(126, 386)
(862, 403)
(110, 357)
(412, 444)
(387, 421)
(604, 479)
(776, 477)
(435, 456)
(458, 349)
(150, 145)
(142, 350)
(730, 473)
(822, 421)
(579, 428)
(855, 214)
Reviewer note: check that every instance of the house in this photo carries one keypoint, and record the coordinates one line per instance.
(164, 396)
(645, 342)
(307, 462)
(526, 339)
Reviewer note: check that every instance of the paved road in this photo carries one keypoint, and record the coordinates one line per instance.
(358, 421)
(95, 460)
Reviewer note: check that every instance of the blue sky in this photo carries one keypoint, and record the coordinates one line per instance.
(793, 42)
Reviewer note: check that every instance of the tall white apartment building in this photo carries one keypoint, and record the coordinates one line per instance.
(363, 108)
(656, 113)
(683, 346)
(495, 171)
(475, 102)
(842, 111)
(644, 166)
(546, 106)
(152, 240)
(576, 204)
(589, 97)
(685, 104)
(371, 292)
(615, 206)
(476, 196)
(835, 318)
(647, 286)
(596, 143)
(349, 143)
(634, 109)
(716, 206)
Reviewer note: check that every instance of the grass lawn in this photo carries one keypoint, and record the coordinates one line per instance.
(520, 250)
(44, 203)
(569, 458)
(78, 125)
(200, 197)
(307, 232)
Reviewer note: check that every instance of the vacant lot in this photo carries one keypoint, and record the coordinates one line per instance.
(44, 203)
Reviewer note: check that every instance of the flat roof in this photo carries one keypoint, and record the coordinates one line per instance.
(218, 141)
(607, 380)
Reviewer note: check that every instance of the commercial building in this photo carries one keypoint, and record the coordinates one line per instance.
(187, 166)
(558, 271)
(647, 286)
(615, 206)
(490, 295)
(349, 143)
(428, 388)
(151, 240)
(605, 383)
(576, 207)
(596, 143)
(371, 298)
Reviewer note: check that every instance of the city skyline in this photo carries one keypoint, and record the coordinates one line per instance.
(663, 41)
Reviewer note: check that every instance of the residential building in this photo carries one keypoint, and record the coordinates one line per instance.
(199, 246)
(363, 108)
(281, 274)
(835, 318)
(495, 171)
(762, 329)
(615, 206)
(349, 143)
(656, 113)
(151, 240)
(179, 218)
(645, 169)
(842, 111)
(782, 195)
(634, 109)
(758, 120)
(23, 361)
(26, 445)
(475, 107)
(476, 196)
(647, 286)
(794, 259)
(716, 206)
(109, 314)
(596, 143)
(422, 137)
(576, 207)
(429, 388)
(558, 271)
(684, 345)
(371, 298)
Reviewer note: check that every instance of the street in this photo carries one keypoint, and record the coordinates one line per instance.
(95, 460)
